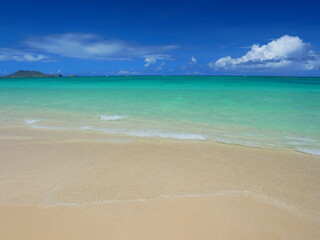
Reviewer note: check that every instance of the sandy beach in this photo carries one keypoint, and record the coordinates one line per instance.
(75, 185)
(159, 120)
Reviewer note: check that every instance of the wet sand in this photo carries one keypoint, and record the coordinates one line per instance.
(70, 185)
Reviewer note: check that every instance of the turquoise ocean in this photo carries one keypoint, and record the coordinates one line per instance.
(276, 112)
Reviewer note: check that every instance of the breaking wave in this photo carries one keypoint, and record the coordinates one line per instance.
(30, 121)
(111, 117)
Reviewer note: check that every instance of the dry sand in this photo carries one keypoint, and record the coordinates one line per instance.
(58, 185)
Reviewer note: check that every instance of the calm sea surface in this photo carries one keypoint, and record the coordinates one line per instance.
(281, 112)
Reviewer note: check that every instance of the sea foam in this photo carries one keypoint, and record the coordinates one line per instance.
(30, 121)
(238, 142)
(149, 133)
(302, 139)
(162, 134)
(111, 117)
(312, 151)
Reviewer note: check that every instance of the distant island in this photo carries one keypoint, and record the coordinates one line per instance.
(72, 75)
(30, 74)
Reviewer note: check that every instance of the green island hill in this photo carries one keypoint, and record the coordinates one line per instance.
(30, 74)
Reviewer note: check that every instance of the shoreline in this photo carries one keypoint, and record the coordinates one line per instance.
(96, 136)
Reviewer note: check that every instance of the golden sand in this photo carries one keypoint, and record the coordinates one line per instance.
(71, 185)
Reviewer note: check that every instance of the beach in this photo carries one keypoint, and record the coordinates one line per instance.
(153, 157)
(58, 185)
(159, 120)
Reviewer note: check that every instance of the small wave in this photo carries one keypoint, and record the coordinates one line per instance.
(142, 133)
(111, 117)
(52, 127)
(238, 142)
(149, 133)
(247, 193)
(30, 121)
(303, 139)
(156, 133)
(312, 151)
(112, 140)
(86, 128)
(159, 197)
(296, 143)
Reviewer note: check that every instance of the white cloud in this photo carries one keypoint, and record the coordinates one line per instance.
(91, 46)
(126, 72)
(193, 67)
(284, 52)
(149, 61)
(193, 61)
(8, 54)
(4, 72)
(152, 59)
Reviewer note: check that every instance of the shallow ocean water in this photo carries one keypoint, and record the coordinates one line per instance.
(281, 112)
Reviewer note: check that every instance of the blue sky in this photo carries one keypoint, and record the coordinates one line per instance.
(161, 37)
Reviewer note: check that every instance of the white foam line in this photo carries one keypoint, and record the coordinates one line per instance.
(164, 196)
(150, 133)
(31, 121)
(111, 117)
(264, 198)
(311, 151)
(301, 139)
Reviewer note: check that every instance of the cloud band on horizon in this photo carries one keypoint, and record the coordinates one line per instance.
(283, 53)
(82, 46)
